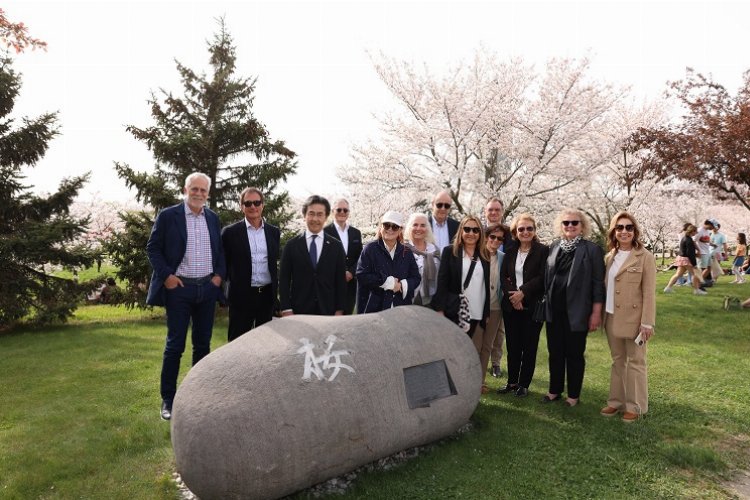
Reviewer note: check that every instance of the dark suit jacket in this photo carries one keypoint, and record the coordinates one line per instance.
(449, 280)
(375, 267)
(585, 285)
(533, 275)
(166, 248)
(240, 262)
(301, 287)
(355, 246)
(452, 226)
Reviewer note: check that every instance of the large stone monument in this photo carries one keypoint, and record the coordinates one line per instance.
(306, 398)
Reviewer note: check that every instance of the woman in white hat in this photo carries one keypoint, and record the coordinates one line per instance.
(387, 273)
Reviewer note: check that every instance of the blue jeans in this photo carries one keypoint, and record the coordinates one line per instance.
(183, 304)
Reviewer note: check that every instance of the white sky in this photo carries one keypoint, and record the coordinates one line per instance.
(316, 87)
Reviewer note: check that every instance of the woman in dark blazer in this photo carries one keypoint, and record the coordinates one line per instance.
(455, 261)
(387, 274)
(574, 294)
(522, 278)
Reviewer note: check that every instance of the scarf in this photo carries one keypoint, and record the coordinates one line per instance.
(568, 246)
(429, 270)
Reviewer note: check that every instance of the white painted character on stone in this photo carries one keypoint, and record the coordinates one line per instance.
(316, 364)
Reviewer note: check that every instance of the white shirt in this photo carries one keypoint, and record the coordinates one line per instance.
(520, 261)
(261, 275)
(617, 263)
(703, 246)
(318, 242)
(390, 281)
(475, 291)
(343, 236)
(440, 231)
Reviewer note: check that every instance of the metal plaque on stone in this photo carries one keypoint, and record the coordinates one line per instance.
(426, 383)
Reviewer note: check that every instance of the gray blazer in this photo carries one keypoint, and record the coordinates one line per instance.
(585, 283)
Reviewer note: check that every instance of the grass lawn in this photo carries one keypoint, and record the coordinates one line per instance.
(79, 417)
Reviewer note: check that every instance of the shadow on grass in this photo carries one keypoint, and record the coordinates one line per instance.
(520, 448)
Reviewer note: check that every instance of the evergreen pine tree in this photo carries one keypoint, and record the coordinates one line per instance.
(211, 128)
(35, 231)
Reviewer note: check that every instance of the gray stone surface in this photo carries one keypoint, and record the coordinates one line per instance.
(271, 413)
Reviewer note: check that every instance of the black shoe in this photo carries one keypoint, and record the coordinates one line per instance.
(508, 388)
(547, 399)
(522, 392)
(166, 410)
(706, 284)
(496, 371)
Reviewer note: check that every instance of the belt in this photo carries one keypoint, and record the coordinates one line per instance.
(259, 289)
(196, 281)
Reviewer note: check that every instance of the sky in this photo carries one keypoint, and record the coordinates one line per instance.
(316, 86)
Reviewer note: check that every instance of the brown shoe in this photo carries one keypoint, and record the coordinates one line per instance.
(485, 389)
(609, 411)
(629, 417)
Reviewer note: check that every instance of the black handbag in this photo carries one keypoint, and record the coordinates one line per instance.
(539, 313)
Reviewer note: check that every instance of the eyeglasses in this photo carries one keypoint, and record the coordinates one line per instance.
(390, 227)
(474, 230)
(626, 227)
(493, 237)
(573, 223)
(250, 203)
(342, 210)
(443, 205)
(528, 229)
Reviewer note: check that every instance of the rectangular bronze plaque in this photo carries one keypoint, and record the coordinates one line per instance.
(426, 383)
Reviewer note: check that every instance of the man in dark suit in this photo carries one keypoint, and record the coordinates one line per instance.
(251, 247)
(186, 254)
(312, 275)
(443, 227)
(351, 239)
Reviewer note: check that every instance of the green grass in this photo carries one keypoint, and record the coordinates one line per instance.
(79, 417)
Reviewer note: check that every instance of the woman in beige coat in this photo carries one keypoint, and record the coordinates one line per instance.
(629, 317)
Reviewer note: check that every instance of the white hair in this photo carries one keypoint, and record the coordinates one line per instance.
(197, 175)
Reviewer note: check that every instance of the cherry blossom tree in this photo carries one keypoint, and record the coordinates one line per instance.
(484, 128)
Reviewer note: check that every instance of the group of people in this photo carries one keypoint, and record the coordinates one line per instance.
(700, 255)
(497, 282)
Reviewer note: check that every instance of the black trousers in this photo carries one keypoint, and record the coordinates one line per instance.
(351, 296)
(521, 343)
(566, 350)
(254, 310)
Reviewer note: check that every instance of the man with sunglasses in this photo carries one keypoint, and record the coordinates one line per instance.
(443, 227)
(351, 239)
(251, 247)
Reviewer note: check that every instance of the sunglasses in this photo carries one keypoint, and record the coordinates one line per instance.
(390, 226)
(573, 223)
(250, 203)
(627, 227)
(474, 230)
(493, 237)
(342, 210)
(443, 205)
(528, 229)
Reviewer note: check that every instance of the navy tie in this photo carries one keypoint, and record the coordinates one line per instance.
(314, 252)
